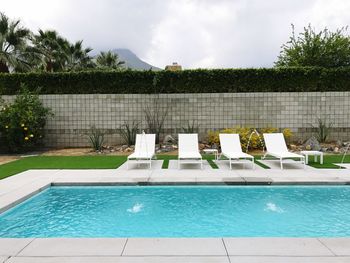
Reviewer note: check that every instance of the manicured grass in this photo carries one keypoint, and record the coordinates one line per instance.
(60, 162)
(167, 158)
(112, 162)
(328, 161)
(257, 158)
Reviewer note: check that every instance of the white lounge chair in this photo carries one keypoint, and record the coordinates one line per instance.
(188, 150)
(276, 147)
(145, 147)
(231, 148)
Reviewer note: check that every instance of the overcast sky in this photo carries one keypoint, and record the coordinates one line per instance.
(194, 33)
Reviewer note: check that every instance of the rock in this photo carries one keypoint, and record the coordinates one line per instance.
(336, 150)
(345, 144)
(201, 146)
(129, 149)
(175, 147)
(313, 144)
(324, 149)
(123, 147)
(169, 139)
(293, 147)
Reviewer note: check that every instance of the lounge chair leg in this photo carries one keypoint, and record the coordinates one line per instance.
(281, 164)
(230, 164)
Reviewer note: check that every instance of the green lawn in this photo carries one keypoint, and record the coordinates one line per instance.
(328, 161)
(60, 162)
(112, 162)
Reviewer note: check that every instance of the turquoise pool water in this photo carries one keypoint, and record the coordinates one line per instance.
(182, 211)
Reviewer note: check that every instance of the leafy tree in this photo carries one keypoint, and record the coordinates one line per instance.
(13, 45)
(108, 60)
(309, 48)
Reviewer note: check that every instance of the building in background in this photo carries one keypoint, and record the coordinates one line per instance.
(173, 67)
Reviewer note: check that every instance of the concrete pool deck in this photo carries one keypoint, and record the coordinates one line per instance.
(15, 189)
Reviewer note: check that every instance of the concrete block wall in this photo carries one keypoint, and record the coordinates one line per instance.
(75, 114)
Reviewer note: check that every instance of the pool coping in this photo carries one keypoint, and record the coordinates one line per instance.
(18, 188)
(276, 249)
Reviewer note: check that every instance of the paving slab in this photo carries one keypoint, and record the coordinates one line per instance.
(276, 247)
(50, 247)
(12, 246)
(262, 259)
(118, 260)
(339, 246)
(3, 259)
(225, 166)
(173, 165)
(276, 165)
(257, 180)
(344, 165)
(174, 247)
(19, 195)
(233, 180)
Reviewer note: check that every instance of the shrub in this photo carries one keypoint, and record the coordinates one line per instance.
(256, 142)
(22, 122)
(96, 138)
(323, 130)
(291, 79)
(129, 131)
(191, 127)
(155, 117)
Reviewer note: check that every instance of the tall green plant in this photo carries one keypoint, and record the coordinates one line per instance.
(191, 127)
(155, 117)
(323, 130)
(22, 122)
(96, 138)
(129, 131)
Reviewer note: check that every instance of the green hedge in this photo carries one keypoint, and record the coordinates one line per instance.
(187, 81)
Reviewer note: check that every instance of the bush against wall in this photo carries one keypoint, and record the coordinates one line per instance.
(290, 79)
(246, 135)
(22, 122)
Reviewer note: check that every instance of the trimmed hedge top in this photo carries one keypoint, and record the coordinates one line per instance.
(187, 81)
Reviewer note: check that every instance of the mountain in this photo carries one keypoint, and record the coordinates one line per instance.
(132, 61)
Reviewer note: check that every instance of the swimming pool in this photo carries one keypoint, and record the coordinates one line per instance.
(182, 211)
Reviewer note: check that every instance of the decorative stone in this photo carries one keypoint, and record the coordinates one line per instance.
(169, 139)
(313, 144)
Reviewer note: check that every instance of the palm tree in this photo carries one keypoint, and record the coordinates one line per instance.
(13, 45)
(51, 48)
(77, 57)
(108, 60)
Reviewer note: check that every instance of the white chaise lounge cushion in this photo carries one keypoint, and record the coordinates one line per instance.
(276, 146)
(188, 146)
(145, 146)
(231, 146)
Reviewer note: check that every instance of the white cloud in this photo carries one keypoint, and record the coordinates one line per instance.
(194, 33)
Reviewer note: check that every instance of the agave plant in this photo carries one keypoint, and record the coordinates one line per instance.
(96, 138)
(129, 131)
(323, 130)
(191, 127)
